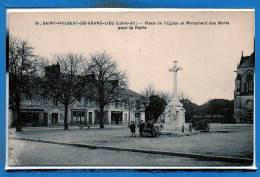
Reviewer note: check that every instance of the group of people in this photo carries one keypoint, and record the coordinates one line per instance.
(132, 127)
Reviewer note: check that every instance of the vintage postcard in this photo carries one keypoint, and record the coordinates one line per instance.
(130, 89)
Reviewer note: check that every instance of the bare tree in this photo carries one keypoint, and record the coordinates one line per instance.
(146, 93)
(65, 81)
(151, 91)
(24, 68)
(107, 81)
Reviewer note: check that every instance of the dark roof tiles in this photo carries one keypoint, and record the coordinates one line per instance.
(247, 61)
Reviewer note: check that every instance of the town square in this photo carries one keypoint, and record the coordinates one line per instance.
(184, 145)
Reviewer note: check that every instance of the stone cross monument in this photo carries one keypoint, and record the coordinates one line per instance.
(174, 70)
(174, 111)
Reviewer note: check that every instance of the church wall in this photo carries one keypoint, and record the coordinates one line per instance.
(241, 98)
(243, 111)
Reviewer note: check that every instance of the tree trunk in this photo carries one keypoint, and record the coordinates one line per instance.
(18, 121)
(129, 112)
(66, 118)
(13, 124)
(101, 116)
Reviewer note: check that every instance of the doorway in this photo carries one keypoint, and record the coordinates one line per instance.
(116, 117)
(54, 118)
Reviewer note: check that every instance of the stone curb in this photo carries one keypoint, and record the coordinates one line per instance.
(160, 152)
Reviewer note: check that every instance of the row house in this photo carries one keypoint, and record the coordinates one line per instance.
(36, 111)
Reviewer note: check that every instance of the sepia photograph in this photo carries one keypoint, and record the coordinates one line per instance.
(130, 89)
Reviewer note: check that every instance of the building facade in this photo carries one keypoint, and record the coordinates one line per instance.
(36, 112)
(244, 90)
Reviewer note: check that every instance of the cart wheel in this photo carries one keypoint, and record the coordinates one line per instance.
(146, 134)
(157, 131)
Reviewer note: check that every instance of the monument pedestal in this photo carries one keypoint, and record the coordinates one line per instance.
(174, 117)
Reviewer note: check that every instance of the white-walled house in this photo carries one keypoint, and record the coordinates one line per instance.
(36, 111)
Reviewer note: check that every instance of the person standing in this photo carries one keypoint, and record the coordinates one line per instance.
(141, 127)
(132, 128)
(190, 126)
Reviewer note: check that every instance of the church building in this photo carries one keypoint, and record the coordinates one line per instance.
(244, 90)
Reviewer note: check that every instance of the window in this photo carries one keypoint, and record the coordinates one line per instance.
(116, 104)
(249, 104)
(137, 115)
(238, 85)
(138, 104)
(125, 117)
(249, 83)
(250, 116)
(54, 118)
(250, 87)
(55, 102)
(90, 118)
(245, 87)
(28, 96)
(90, 101)
(61, 117)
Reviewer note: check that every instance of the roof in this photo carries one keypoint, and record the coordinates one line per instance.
(129, 92)
(247, 61)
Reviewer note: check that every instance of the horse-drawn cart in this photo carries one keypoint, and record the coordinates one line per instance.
(151, 130)
(200, 125)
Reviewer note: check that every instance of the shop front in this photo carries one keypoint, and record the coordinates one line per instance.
(34, 117)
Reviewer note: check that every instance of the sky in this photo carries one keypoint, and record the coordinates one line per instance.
(209, 53)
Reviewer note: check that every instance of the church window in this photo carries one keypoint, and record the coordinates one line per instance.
(238, 86)
(249, 83)
(245, 87)
(250, 87)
